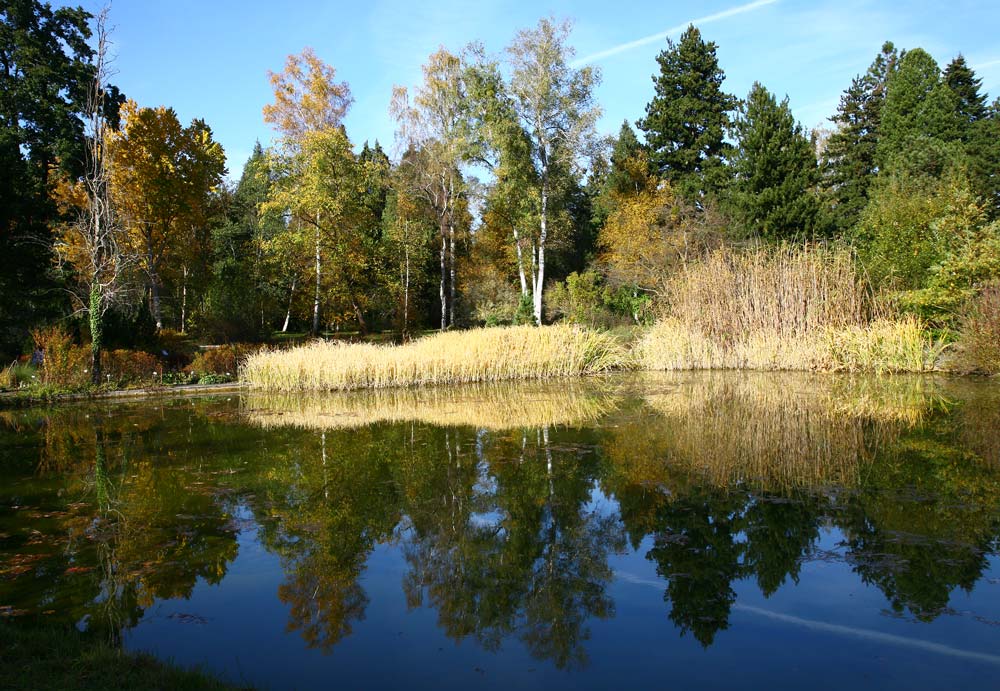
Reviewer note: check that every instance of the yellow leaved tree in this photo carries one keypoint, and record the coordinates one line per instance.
(163, 177)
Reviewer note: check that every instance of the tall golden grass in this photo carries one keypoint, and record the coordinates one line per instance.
(496, 407)
(882, 346)
(785, 290)
(478, 355)
(782, 309)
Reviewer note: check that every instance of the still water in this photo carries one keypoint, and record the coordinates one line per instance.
(709, 530)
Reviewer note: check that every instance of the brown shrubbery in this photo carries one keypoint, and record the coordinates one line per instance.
(131, 366)
(224, 359)
(782, 309)
(979, 335)
(64, 364)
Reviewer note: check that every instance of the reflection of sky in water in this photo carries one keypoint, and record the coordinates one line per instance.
(543, 522)
(829, 621)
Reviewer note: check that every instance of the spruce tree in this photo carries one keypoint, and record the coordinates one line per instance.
(849, 161)
(686, 121)
(965, 85)
(629, 164)
(772, 195)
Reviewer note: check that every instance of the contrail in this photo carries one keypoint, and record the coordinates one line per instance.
(749, 7)
(849, 631)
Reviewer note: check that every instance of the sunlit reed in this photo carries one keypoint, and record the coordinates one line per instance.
(478, 355)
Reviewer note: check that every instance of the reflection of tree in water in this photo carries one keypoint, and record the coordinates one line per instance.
(521, 554)
(499, 528)
(927, 519)
(322, 504)
(121, 531)
(710, 538)
(919, 514)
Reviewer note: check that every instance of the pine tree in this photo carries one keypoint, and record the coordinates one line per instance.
(686, 121)
(984, 158)
(849, 161)
(920, 124)
(965, 85)
(772, 194)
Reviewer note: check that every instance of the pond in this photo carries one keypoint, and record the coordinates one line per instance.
(701, 529)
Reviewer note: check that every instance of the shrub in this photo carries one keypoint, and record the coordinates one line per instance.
(17, 375)
(979, 333)
(64, 364)
(584, 298)
(223, 360)
(131, 366)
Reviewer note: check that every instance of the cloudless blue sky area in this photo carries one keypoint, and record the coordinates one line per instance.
(210, 58)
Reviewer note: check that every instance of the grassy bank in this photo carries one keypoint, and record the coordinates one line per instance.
(479, 355)
(65, 659)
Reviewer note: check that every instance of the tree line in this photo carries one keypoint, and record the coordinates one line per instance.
(501, 202)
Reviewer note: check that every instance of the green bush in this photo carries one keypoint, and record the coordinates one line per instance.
(584, 298)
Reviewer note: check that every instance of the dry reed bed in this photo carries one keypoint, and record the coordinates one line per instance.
(494, 407)
(782, 309)
(883, 346)
(478, 355)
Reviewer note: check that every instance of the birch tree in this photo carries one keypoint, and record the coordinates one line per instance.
(554, 105)
(308, 109)
(321, 184)
(434, 129)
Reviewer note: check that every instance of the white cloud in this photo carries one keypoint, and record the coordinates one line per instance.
(708, 19)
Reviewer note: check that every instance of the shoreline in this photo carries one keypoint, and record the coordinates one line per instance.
(17, 399)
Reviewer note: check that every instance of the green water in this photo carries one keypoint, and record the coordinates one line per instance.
(705, 530)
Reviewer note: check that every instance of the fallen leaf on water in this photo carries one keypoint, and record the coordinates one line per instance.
(79, 569)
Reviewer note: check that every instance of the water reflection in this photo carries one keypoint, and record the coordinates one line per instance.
(508, 505)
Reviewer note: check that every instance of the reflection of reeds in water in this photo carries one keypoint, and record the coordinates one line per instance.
(779, 431)
(486, 406)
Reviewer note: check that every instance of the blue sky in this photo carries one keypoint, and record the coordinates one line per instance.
(209, 58)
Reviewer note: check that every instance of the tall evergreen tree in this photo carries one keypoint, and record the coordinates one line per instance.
(984, 158)
(772, 194)
(45, 74)
(686, 121)
(629, 163)
(241, 301)
(963, 82)
(849, 161)
(920, 124)
(979, 130)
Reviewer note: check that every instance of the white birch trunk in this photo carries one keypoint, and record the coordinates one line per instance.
(184, 299)
(288, 314)
(315, 324)
(520, 263)
(539, 282)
